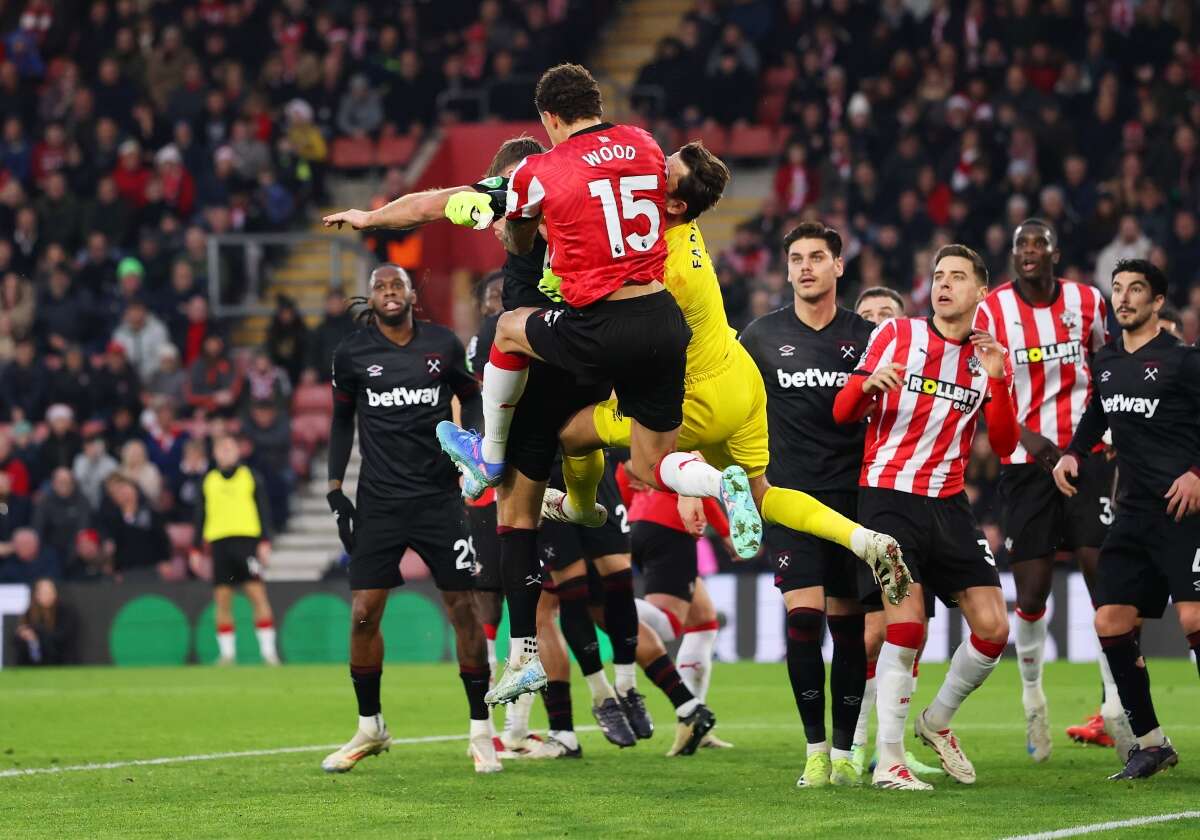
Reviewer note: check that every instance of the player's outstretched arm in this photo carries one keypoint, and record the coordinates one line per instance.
(407, 211)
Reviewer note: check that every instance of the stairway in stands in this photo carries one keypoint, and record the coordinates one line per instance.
(629, 43)
(305, 274)
(310, 544)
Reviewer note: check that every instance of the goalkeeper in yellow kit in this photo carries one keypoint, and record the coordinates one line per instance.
(725, 403)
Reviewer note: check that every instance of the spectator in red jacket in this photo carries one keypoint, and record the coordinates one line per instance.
(214, 382)
(131, 175)
(796, 184)
(179, 190)
(13, 467)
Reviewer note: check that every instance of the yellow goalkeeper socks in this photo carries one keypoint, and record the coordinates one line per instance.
(582, 474)
(801, 512)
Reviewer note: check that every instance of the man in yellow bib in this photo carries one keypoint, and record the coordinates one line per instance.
(233, 518)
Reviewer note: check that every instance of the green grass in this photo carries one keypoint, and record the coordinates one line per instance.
(66, 717)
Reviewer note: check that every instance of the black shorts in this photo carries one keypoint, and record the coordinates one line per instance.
(235, 561)
(551, 397)
(943, 546)
(560, 545)
(666, 558)
(1148, 557)
(638, 344)
(486, 545)
(1038, 520)
(435, 527)
(803, 560)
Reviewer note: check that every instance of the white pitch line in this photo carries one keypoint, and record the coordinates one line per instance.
(1107, 826)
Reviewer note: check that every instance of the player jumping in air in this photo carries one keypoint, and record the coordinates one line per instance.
(1147, 392)
(397, 376)
(1051, 328)
(922, 382)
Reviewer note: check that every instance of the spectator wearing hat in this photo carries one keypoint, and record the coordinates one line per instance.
(60, 515)
(143, 337)
(93, 466)
(117, 383)
(179, 190)
(23, 383)
(213, 384)
(131, 176)
(169, 379)
(61, 445)
(218, 186)
(306, 140)
(30, 560)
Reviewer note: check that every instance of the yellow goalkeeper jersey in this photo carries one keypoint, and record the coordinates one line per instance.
(692, 281)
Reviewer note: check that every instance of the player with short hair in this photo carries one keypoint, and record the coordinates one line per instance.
(879, 303)
(233, 517)
(922, 383)
(622, 326)
(1051, 328)
(397, 376)
(1147, 392)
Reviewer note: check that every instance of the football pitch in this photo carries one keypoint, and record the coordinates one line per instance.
(238, 753)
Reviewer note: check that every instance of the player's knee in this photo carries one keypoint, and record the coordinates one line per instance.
(364, 619)
(1032, 603)
(992, 628)
(1112, 622)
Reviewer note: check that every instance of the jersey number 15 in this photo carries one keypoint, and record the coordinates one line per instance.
(631, 208)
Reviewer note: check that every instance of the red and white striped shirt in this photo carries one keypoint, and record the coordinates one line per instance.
(919, 436)
(1050, 348)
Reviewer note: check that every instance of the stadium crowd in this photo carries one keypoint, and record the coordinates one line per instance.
(908, 133)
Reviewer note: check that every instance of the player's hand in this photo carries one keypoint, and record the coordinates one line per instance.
(1040, 448)
(470, 209)
(691, 511)
(884, 380)
(345, 514)
(1183, 498)
(1065, 472)
(263, 552)
(989, 352)
(357, 219)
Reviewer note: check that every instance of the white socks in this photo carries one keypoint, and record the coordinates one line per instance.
(600, 687)
(1030, 640)
(1153, 738)
(481, 728)
(516, 717)
(822, 747)
(372, 725)
(266, 644)
(520, 647)
(501, 391)
(969, 667)
(694, 660)
(893, 682)
(626, 677)
(1112, 696)
(226, 645)
(565, 737)
(656, 619)
(864, 712)
(687, 475)
(491, 656)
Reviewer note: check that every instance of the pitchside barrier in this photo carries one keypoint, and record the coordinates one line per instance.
(172, 624)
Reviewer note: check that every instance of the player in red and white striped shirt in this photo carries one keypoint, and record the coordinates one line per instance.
(923, 383)
(1051, 328)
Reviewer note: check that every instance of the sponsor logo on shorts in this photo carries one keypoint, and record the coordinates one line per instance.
(962, 398)
(812, 378)
(400, 397)
(1121, 404)
(1062, 351)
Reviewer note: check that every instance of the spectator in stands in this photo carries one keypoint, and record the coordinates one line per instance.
(361, 111)
(131, 176)
(60, 515)
(61, 445)
(179, 190)
(72, 383)
(117, 383)
(336, 325)
(409, 102)
(165, 437)
(134, 538)
(268, 429)
(266, 382)
(186, 486)
(15, 512)
(64, 314)
(46, 634)
(138, 468)
(287, 338)
(143, 338)
(1130, 243)
(305, 139)
(796, 184)
(30, 560)
(93, 466)
(214, 383)
(169, 380)
(17, 303)
(1183, 252)
(23, 383)
(59, 213)
(27, 241)
(194, 330)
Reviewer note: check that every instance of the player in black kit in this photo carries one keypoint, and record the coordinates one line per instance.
(1146, 390)
(806, 353)
(397, 375)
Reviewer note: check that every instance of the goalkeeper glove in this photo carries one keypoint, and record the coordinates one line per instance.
(343, 511)
(470, 209)
(551, 285)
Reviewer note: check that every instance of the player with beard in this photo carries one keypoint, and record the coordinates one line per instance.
(396, 377)
(922, 383)
(1147, 393)
(1051, 328)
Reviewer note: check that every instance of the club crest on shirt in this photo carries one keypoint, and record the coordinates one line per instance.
(786, 351)
(1151, 372)
(848, 350)
(374, 370)
(974, 365)
(433, 361)
(1069, 318)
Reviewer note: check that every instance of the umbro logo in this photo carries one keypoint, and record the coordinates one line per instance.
(786, 351)
(811, 694)
(374, 370)
(1105, 376)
